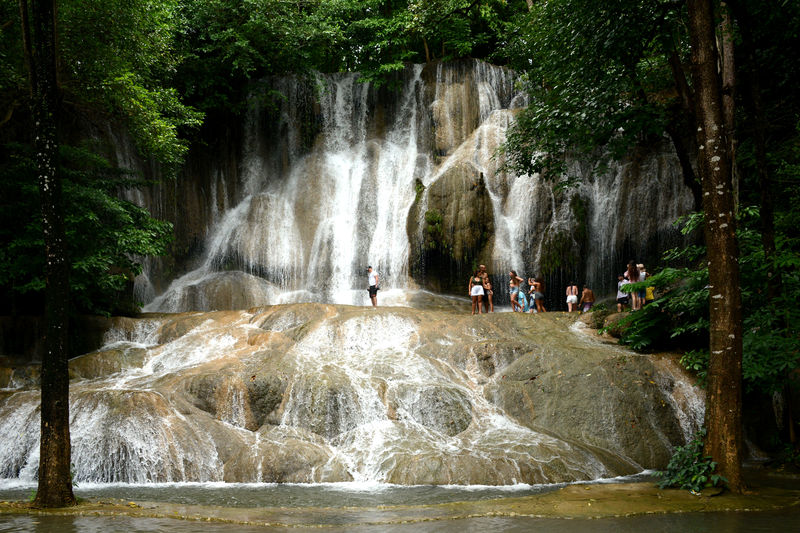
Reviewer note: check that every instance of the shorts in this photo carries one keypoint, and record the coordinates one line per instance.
(538, 296)
(572, 299)
(477, 290)
(587, 306)
(514, 290)
(373, 290)
(622, 301)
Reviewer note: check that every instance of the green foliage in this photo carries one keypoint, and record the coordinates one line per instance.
(434, 230)
(228, 45)
(689, 469)
(119, 57)
(771, 339)
(597, 76)
(696, 361)
(107, 235)
(789, 455)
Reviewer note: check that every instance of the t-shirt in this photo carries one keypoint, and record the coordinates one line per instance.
(373, 278)
(621, 284)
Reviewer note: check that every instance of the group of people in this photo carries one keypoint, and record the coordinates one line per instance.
(635, 273)
(482, 295)
(480, 290)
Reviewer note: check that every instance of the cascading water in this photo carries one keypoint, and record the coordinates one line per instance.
(336, 175)
(313, 393)
(312, 230)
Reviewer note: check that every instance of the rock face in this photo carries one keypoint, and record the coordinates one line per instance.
(292, 203)
(318, 393)
(455, 231)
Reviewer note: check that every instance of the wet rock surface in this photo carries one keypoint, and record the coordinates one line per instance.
(315, 393)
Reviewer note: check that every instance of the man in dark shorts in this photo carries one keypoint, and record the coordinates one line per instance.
(372, 279)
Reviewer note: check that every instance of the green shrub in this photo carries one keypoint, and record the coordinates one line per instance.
(690, 469)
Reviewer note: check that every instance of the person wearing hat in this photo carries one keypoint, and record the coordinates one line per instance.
(372, 280)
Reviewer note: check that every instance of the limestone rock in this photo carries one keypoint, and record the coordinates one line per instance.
(451, 228)
(443, 409)
(612, 322)
(104, 363)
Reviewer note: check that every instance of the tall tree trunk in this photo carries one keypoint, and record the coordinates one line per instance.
(729, 94)
(55, 480)
(724, 402)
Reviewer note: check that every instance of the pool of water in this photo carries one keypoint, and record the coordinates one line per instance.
(286, 495)
(365, 508)
(751, 522)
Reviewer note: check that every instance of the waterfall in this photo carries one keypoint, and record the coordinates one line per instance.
(309, 232)
(336, 175)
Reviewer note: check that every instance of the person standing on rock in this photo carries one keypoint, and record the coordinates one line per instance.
(587, 300)
(488, 304)
(372, 280)
(622, 296)
(538, 294)
(514, 284)
(642, 294)
(475, 289)
(572, 297)
(632, 275)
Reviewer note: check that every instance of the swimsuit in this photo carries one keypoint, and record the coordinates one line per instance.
(477, 288)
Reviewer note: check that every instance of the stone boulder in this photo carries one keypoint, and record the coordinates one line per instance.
(450, 227)
(104, 363)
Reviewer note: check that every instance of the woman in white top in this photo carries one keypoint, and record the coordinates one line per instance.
(476, 290)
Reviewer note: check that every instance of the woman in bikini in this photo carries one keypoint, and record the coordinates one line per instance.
(513, 288)
(476, 291)
(572, 297)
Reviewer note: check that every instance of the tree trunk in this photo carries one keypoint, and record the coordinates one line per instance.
(55, 479)
(724, 401)
(729, 95)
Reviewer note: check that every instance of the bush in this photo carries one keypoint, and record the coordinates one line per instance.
(690, 469)
(598, 315)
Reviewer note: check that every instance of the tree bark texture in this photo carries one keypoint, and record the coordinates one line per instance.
(729, 94)
(724, 400)
(55, 479)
